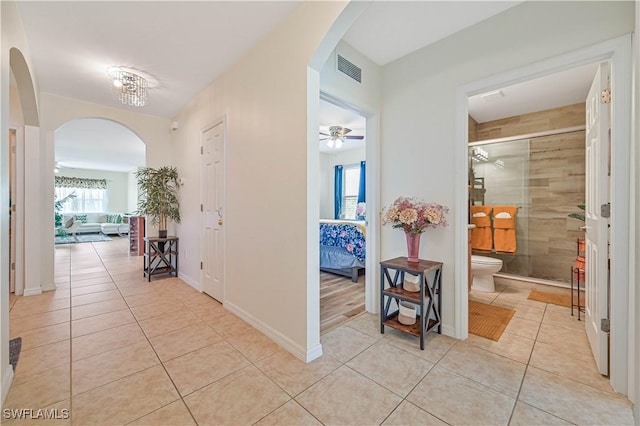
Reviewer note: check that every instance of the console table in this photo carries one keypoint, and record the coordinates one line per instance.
(160, 256)
(427, 299)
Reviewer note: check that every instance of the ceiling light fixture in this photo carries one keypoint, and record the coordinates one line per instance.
(336, 141)
(129, 87)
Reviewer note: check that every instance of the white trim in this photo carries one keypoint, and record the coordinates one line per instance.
(279, 338)
(7, 379)
(618, 50)
(533, 280)
(190, 281)
(32, 291)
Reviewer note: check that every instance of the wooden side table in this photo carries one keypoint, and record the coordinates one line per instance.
(161, 256)
(428, 298)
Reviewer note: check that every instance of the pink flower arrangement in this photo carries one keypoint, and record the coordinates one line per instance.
(414, 216)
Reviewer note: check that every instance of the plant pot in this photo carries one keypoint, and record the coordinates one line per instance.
(162, 233)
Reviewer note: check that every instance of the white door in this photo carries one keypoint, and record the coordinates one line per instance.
(596, 235)
(12, 211)
(213, 212)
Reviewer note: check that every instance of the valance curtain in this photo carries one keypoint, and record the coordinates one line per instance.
(74, 182)
(337, 184)
(362, 186)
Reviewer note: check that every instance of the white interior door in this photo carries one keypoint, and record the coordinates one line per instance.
(12, 210)
(213, 212)
(596, 235)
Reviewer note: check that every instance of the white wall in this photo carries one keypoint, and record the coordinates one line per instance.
(634, 284)
(419, 92)
(266, 176)
(132, 193)
(327, 163)
(117, 186)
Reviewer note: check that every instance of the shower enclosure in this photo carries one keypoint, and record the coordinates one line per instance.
(544, 178)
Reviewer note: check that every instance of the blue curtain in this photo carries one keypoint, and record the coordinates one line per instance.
(337, 185)
(361, 187)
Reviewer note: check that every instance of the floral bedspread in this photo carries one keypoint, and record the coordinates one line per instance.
(346, 235)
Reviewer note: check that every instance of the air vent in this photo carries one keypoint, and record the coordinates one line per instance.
(349, 69)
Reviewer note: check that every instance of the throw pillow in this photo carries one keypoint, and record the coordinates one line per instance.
(69, 222)
(119, 219)
(112, 218)
(102, 218)
(82, 218)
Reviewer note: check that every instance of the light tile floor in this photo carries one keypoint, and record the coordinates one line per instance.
(113, 349)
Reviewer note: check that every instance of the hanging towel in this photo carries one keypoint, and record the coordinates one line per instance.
(481, 238)
(504, 228)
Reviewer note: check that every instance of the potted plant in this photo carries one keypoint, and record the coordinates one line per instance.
(57, 216)
(158, 198)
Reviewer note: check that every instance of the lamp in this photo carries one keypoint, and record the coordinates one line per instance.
(335, 141)
(129, 87)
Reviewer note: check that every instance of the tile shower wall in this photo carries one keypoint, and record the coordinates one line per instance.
(556, 185)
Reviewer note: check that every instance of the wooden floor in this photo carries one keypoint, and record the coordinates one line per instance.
(340, 300)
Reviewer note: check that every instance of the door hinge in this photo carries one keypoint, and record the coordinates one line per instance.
(202, 150)
(201, 208)
(605, 325)
(201, 265)
(605, 210)
(13, 266)
(605, 96)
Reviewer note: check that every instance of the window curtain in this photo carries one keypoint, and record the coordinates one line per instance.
(337, 185)
(362, 190)
(73, 182)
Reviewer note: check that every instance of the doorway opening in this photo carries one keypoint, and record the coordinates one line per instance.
(615, 51)
(343, 213)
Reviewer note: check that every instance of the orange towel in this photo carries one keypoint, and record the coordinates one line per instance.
(504, 229)
(481, 237)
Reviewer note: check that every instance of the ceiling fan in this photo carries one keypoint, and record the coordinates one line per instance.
(337, 136)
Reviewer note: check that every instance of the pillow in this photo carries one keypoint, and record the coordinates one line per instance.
(69, 222)
(119, 219)
(112, 218)
(82, 218)
(102, 218)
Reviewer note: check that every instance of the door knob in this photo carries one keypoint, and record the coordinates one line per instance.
(219, 221)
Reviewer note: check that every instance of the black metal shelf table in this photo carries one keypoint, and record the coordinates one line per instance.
(428, 298)
(160, 256)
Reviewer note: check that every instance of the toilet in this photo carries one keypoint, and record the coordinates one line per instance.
(482, 270)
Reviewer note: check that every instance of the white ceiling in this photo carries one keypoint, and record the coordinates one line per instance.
(388, 30)
(564, 88)
(183, 46)
(333, 115)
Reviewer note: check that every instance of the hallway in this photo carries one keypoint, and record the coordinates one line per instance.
(113, 349)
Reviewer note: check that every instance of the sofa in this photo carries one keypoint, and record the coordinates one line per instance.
(100, 222)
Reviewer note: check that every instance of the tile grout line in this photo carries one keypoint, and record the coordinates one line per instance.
(150, 345)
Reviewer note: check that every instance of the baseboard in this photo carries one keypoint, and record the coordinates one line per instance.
(279, 338)
(447, 330)
(32, 291)
(193, 283)
(7, 379)
(49, 288)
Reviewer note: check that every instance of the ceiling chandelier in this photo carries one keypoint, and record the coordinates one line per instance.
(128, 87)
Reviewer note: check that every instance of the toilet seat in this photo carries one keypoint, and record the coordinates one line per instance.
(485, 260)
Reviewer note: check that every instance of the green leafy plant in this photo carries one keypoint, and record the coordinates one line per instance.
(579, 216)
(57, 216)
(158, 198)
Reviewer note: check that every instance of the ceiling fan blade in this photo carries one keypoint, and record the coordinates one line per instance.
(354, 137)
(344, 131)
(323, 139)
(325, 134)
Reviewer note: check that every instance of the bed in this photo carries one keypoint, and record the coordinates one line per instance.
(342, 247)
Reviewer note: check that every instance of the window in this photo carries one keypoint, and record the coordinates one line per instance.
(351, 182)
(90, 194)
